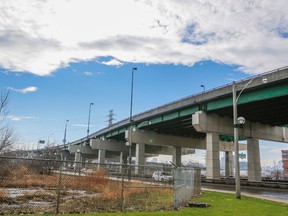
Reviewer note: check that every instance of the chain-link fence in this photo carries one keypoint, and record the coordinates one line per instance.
(53, 186)
(187, 183)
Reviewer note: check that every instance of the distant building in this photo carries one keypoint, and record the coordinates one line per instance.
(285, 162)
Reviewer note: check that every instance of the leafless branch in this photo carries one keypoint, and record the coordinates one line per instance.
(7, 138)
(4, 99)
(7, 133)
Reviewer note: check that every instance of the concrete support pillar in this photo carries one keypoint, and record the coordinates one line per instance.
(213, 156)
(101, 158)
(254, 166)
(228, 163)
(140, 158)
(77, 160)
(177, 156)
(123, 162)
(123, 158)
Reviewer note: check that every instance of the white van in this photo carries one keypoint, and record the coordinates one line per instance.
(162, 176)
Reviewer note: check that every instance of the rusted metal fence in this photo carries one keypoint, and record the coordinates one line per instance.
(54, 186)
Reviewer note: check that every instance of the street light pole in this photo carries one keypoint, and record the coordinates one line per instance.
(238, 123)
(65, 131)
(203, 86)
(131, 98)
(131, 124)
(89, 119)
(236, 144)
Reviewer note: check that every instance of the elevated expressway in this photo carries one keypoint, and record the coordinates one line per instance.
(200, 121)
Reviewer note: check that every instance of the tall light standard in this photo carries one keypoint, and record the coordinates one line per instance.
(238, 122)
(203, 86)
(236, 125)
(131, 123)
(131, 98)
(89, 119)
(81, 142)
(65, 131)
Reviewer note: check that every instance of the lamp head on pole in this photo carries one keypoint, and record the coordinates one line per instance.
(264, 80)
(240, 122)
(203, 86)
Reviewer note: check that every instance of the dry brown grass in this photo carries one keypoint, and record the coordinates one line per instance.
(3, 194)
(112, 190)
(24, 177)
(98, 193)
(91, 182)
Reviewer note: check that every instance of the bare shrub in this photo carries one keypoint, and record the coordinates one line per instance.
(8, 136)
(112, 190)
(93, 182)
(5, 170)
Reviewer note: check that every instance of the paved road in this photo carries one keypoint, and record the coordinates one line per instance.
(278, 195)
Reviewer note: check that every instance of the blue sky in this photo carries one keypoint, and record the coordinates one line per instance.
(58, 56)
(67, 93)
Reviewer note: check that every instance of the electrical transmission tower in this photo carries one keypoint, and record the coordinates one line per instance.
(110, 118)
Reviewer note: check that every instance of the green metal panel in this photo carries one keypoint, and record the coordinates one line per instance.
(229, 138)
(115, 133)
(170, 116)
(122, 130)
(173, 115)
(225, 102)
(246, 97)
(156, 120)
(264, 94)
(108, 135)
(189, 111)
(226, 138)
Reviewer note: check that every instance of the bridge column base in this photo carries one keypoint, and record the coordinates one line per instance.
(228, 164)
(213, 156)
(177, 156)
(254, 166)
(101, 158)
(140, 158)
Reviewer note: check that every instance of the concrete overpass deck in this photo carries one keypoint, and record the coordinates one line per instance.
(201, 121)
(263, 103)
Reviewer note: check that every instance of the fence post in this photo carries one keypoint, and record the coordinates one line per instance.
(175, 188)
(122, 191)
(59, 187)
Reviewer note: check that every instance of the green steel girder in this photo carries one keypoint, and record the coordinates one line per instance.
(246, 97)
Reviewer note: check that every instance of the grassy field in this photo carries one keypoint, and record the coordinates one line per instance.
(220, 204)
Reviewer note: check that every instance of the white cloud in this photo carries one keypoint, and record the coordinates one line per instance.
(112, 62)
(24, 90)
(82, 125)
(20, 118)
(88, 73)
(42, 36)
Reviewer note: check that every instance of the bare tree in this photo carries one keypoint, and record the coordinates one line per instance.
(7, 134)
(7, 138)
(4, 102)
